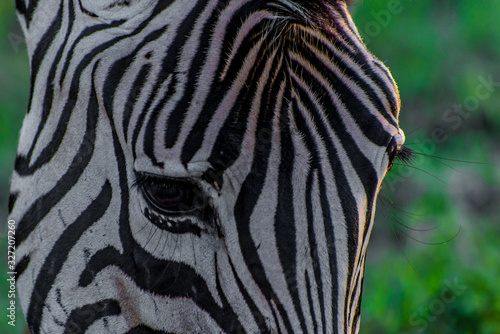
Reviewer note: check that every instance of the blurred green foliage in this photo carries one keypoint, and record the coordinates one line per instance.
(432, 265)
(14, 93)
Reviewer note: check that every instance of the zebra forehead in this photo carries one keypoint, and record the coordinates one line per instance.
(200, 82)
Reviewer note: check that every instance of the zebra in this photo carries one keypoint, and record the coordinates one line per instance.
(198, 166)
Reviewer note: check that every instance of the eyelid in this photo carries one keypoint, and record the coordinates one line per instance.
(400, 139)
(143, 178)
(171, 168)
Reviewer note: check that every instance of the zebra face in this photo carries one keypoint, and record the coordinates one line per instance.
(198, 166)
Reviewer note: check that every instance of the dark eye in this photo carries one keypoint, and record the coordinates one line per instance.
(392, 151)
(172, 197)
(402, 154)
(396, 149)
(169, 197)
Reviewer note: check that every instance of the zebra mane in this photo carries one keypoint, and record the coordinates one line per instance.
(320, 14)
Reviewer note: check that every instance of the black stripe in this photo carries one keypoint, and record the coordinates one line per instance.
(143, 329)
(367, 122)
(313, 246)
(12, 201)
(160, 277)
(248, 196)
(22, 165)
(350, 300)
(115, 75)
(227, 146)
(49, 86)
(117, 72)
(357, 313)
(83, 317)
(21, 7)
(177, 116)
(87, 32)
(376, 134)
(228, 321)
(329, 228)
(30, 11)
(285, 220)
(101, 259)
(256, 314)
(360, 57)
(110, 86)
(150, 136)
(285, 229)
(278, 325)
(393, 102)
(347, 201)
(59, 254)
(341, 182)
(217, 88)
(366, 66)
(236, 121)
(21, 266)
(133, 97)
(371, 203)
(311, 304)
(44, 204)
(41, 49)
(360, 163)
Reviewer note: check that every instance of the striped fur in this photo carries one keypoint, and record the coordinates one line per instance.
(273, 110)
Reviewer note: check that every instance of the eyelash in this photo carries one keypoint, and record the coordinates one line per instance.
(141, 180)
(405, 155)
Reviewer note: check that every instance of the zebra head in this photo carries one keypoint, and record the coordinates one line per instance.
(198, 166)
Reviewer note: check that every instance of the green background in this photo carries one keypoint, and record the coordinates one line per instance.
(433, 263)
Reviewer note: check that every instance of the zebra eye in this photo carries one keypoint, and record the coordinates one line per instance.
(172, 197)
(392, 151)
(396, 148)
(169, 198)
